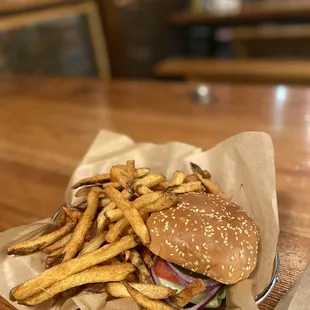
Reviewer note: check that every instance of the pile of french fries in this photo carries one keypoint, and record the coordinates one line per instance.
(101, 244)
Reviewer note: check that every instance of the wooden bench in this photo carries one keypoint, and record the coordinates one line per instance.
(268, 71)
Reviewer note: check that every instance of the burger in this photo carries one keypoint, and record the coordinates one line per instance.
(203, 236)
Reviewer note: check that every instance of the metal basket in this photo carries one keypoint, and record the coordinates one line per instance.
(263, 295)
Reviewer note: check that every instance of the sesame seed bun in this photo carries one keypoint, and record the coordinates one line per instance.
(206, 234)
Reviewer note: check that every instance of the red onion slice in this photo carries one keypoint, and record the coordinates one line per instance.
(203, 303)
(185, 279)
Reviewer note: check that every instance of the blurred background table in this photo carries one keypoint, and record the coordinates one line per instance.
(48, 124)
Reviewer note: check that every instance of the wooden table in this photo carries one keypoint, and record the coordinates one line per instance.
(249, 12)
(46, 125)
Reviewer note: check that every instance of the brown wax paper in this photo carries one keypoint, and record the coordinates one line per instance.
(242, 165)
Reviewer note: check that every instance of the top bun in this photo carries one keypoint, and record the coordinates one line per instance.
(206, 234)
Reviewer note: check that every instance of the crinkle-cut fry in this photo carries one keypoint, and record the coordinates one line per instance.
(147, 257)
(117, 229)
(141, 172)
(149, 181)
(97, 179)
(143, 273)
(187, 187)
(122, 175)
(142, 190)
(186, 295)
(97, 274)
(164, 202)
(58, 244)
(117, 289)
(94, 243)
(212, 187)
(191, 178)
(130, 213)
(31, 246)
(178, 177)
(81, 229)
(84, 191)
(139, 203)
(145, 302)
(64, 270)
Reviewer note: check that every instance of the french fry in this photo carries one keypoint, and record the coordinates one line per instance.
(94, 243)
(213, 188)
(130, 168)
(91, 232)
(56, 252)
(52, 259)
(149, 181)
(84, 191)
(117, 229)
(186, 295)
(137, 261)
(130, 213)
(153, 291)
(93, 275)
(196, 169)
(138, 204)
(80, 231)
(162, 203)
(142, 190)
(178, 177)
(126, 256)
(104, 202)
(116, 185)
(57, 245)
(188, 187)
(97, 179)
(64, 270)
(191, 178)
(127, 193)
(147, 258)
(144, 301)
(61, 217)
(162, 185)
(73, 214)
(128, 231)
(102, 221)
(141, 172)
(95, 288)
(113, 261)
(121, 174)
(31, 246)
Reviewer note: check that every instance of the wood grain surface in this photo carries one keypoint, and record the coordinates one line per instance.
(235, 70)
(249, 12)
(47, 125)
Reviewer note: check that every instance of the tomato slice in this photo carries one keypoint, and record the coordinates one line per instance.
(162, 271)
